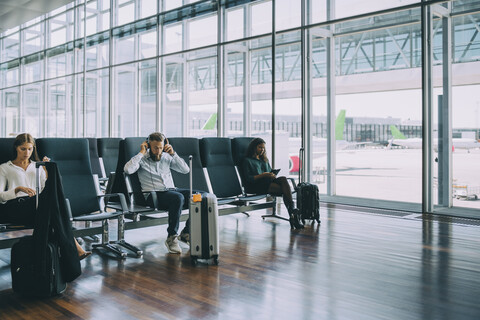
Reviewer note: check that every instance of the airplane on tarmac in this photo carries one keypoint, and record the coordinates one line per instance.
(319, 145)
(399, 139)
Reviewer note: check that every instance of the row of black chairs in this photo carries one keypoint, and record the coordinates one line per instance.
(215, 169)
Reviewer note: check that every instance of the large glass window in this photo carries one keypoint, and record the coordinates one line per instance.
(361, 68)
(173, 95)
(98, 16)
(202, 92)
(11, 103)
(33, 39)
(32, 68)
(261, 90)
(148, 96)
(97, 52)
(261, 21)
(236, 82)
(202, 31)
(124, 101)
(95, 113)
(61, 28)
(32, 102)
(374, 107)
(288, 99)
(11, 46)
(59, 109)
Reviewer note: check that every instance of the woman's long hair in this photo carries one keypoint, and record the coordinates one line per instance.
(252, 149)
(25, 138)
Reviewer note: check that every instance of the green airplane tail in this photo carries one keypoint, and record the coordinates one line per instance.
(396, 133)
(211, 122)
(340, 125)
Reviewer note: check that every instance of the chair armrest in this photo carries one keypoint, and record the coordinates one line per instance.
(293, 183)
(121, 196)
(69, 209)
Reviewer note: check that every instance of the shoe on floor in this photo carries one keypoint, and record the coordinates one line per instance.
(172, 244)
(84, 255)
(184, 237)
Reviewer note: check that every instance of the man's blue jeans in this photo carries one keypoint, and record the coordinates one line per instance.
(174, 201)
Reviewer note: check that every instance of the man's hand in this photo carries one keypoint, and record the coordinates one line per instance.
(169, 149)
(144, 147)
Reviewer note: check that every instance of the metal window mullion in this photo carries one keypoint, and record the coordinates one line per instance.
(43, 109)
(331, 105)
(20, 95)
(158, 103)
(185, 94)
(221, 70)
(247, 76)
(137, 79)
(163, 82)
(446, 134)
(427, 88)
(111, 121)
(84, 72)
(306, 83)
(273, 66)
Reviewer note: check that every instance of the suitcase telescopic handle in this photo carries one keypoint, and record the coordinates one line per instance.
(38, 164)
(300, 164)
(190, 160)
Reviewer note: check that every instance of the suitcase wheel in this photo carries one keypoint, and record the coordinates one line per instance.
(215, 261)
(193, 261)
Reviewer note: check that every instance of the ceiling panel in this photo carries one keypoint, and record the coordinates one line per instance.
(16, 12)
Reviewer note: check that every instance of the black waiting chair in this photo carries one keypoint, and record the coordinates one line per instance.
(6, 154)
(73, 161)
(216, 154)
(239, 150)
(129, 185)
(108, 150)
(96, 162)
(185, 147)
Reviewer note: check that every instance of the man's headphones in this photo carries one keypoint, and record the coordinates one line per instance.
(162, 137)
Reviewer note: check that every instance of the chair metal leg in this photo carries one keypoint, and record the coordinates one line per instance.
(130, 247)
(106, 245)
(121, 238)
(274, 212)
(93, 238)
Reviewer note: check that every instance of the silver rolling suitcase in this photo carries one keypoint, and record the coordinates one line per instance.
(203, 225)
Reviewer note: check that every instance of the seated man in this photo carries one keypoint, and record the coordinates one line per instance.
(153, 163)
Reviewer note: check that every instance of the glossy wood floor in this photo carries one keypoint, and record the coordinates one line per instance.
(358, 264)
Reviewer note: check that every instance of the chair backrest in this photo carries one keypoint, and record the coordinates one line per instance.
(131, 147)
(239, 150)
(108, 150)
(216, 154)
(95, 158)
(73, 161)
(185, 147)
(6, 149)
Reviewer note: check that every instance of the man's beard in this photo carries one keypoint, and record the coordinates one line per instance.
(155, 157)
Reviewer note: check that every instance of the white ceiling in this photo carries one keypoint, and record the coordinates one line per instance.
(16, 12)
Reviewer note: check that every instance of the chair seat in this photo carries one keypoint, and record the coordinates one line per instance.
(131, 207)
(98, 216)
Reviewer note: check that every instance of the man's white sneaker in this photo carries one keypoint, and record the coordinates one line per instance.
(172, 244)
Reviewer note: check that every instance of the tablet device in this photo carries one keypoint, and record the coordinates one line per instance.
(275, 171)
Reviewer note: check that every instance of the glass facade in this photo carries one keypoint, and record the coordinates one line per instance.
(383, 95)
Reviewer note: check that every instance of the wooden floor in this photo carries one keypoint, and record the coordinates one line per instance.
(359, 264)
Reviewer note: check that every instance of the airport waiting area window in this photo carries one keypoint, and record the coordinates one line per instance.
(342, 79)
